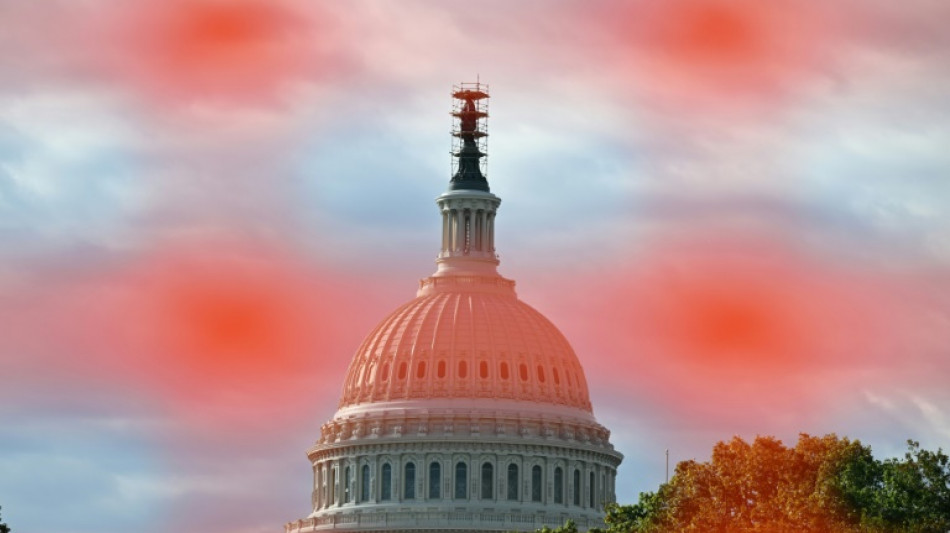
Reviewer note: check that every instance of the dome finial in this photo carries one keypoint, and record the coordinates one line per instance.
(470, 109)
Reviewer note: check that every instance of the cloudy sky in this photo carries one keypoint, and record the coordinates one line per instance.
(737, 211)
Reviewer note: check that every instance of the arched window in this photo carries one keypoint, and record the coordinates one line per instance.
(536, 483)
(557, 379)
(402, 370)
(346, 485)
(577, 487)
(541, 373)
(385, 372)
(483, 369)
(332, 487)
(463, 369)
(441, 369)
(421, 370)
(513, 482)
(488, 481)
(386, 493)
(523, 372)
(504, 371)
(590, 490)
(558, 485)
(364, 484)
(461, 481)
(435, 481)
(409, 485)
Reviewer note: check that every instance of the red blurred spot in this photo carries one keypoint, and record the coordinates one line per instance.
(712, 32)
(224, 331)
(226, 50)
(728, 328)
(720, 51)
(722, 317)
(233, 326)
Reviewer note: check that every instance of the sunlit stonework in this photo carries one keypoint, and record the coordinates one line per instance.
(465, 409)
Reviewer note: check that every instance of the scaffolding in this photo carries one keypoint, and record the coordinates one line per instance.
(470, 124)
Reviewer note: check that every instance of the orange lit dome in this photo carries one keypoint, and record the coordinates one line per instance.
(465, 409)
(466, 337)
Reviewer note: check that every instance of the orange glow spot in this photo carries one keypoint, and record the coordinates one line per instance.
(713, 32)
(719, 318)
(233, 328)
(715, 51)
(241, 326)
(237, 50)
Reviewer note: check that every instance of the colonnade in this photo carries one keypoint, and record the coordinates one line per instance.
(466, 230)
(454, 478)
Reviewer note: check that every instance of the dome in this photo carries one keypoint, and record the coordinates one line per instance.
(465, 409)
(466, 337)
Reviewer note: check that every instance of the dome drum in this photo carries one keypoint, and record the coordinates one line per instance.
(491, 486)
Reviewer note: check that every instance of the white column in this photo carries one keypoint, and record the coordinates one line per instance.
(459, 231)
(491, 232)
(445, 231)
(483, 227)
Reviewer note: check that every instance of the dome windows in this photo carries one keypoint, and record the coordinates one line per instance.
(463, 369)
(409, 482)
(440, 369)
(488, 481)
(541, 373)
(384, 374)
(461, 481)
(483, 369)
(513, 482)
(523, 372)
(536, 483)
(402, 370)
(557, 379)
(387, 484)
(421, 370)
(504, 370)
(435, 480)
(364, 484)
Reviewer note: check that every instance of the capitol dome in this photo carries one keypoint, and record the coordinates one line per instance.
(465, 409)
(457, 342)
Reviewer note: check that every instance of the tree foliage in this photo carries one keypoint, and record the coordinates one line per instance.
(3, 527)
(822, 485)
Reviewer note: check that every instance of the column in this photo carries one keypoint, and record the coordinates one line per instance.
(483, 227)
(467, 231)
(445, 231)
(459, 231)
(491, 233)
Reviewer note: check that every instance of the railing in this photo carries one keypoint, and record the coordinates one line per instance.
(499, 521)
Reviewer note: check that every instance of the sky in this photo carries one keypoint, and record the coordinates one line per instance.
(738, 212)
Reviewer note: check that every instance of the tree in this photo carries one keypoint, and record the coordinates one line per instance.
(822, 485)
(568, 527)
(3, 527)
(905, 496)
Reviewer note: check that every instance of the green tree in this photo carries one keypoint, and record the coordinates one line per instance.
(909, 495)
(822, 485)
(3, 527)
(568, 527)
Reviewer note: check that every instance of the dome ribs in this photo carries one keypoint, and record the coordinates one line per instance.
(483, 329)
(409, 335)
(492, 342)
(390, 336)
